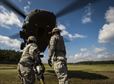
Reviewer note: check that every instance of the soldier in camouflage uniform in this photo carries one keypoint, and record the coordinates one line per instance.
(28, 60)
(57, 55)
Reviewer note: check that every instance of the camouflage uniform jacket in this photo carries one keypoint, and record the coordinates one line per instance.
(29, 55)
(57, 47)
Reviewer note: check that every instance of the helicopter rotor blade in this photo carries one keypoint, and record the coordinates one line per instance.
(76, 5)
(10, 5)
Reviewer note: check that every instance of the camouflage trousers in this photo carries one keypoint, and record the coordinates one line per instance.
(60, 68)
(26, 74)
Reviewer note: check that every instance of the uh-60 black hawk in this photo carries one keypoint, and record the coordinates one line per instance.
(40, 23)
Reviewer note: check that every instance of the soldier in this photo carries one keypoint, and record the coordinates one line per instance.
(28, 61)
(57, 55)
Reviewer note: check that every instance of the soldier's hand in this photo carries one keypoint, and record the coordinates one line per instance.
(50, 62)
(43, 68)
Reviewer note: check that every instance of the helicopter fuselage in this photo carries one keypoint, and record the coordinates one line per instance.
(38, 23)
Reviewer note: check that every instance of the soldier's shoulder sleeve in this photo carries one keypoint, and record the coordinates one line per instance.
(53, 41)
(51, 46)
(33, 50)
(26, 47)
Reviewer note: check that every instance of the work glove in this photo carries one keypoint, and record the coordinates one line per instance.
(50, 62)
(43, 68)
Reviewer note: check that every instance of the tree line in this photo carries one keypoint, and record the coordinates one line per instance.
(9, 56)
(96, 62)
(12, 57)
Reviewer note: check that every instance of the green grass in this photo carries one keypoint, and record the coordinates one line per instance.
(78, 74)
(98, 67)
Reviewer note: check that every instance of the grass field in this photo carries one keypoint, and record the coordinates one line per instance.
(78, 74)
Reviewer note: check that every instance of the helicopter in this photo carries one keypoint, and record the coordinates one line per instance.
(39, 23)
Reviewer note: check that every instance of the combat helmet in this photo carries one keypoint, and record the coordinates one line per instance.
(56, 30)
(31, 39)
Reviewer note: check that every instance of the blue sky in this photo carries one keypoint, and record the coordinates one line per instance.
(90, 30)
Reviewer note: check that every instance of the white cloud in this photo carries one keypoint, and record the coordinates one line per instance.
(8, 43)
(29, 3)
(86, 19)
(69, 35)
(87, 15)
(106, 34)
(8, 18)
(109, 16)
(99, 50)
(27, 7)
(91, 54)
(83, 49)
(72, 37)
